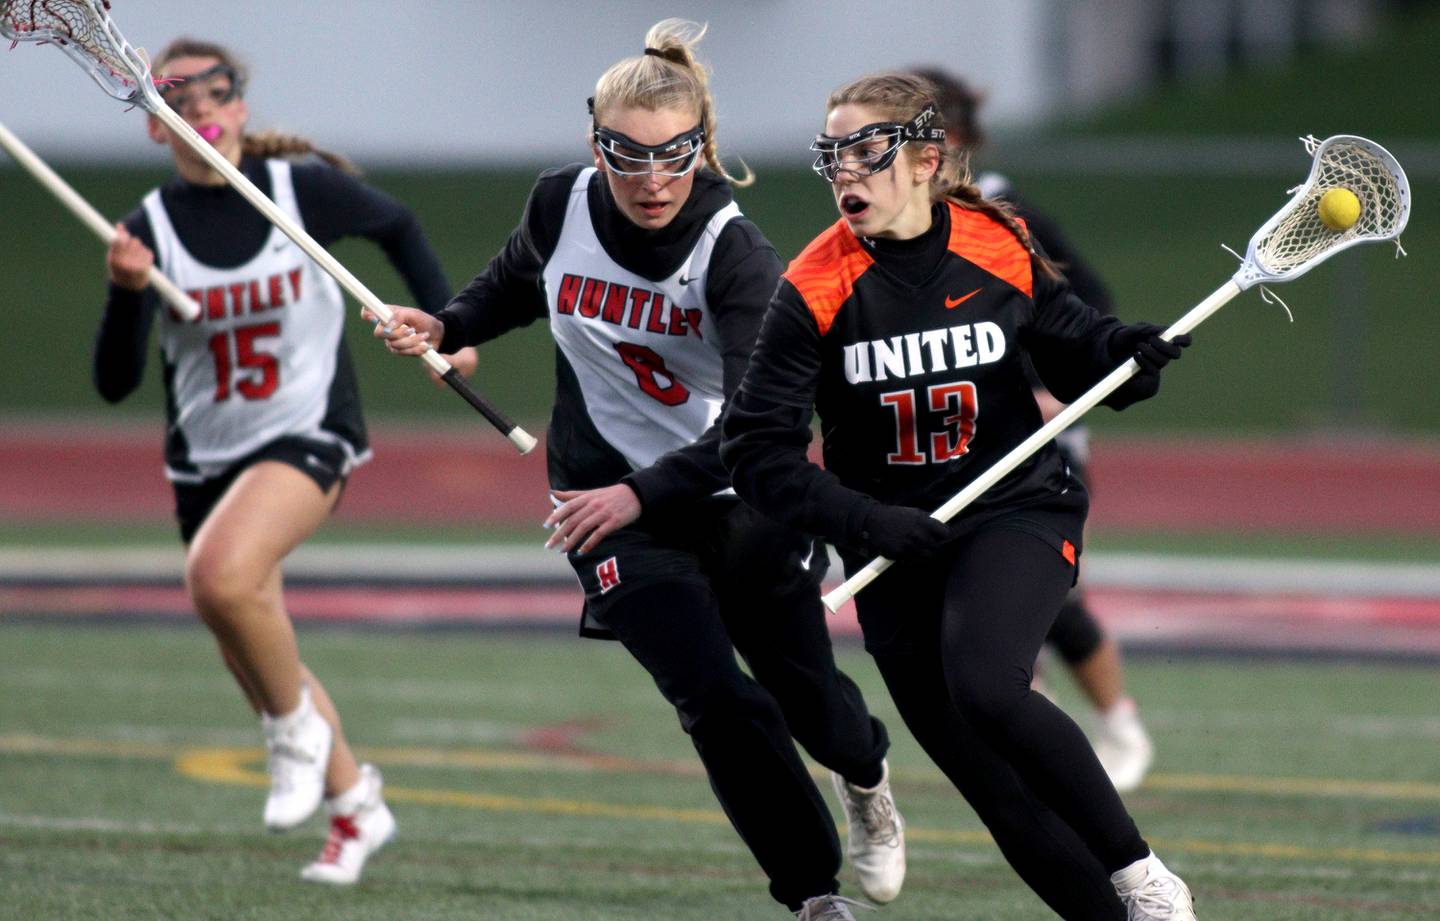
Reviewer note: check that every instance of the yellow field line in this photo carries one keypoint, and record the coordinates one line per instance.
(241, 766)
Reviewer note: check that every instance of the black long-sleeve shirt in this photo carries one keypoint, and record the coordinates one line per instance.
(509, 293)
(220, 228)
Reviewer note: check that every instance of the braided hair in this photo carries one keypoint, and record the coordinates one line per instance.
(667, 76)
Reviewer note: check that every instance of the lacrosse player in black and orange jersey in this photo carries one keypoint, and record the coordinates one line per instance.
(1092, 655)
(905, 327)
(263, 411)
(654, 284)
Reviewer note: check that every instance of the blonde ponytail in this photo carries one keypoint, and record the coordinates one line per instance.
(667, 75)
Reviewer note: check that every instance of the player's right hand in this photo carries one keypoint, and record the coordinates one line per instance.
(409, 331)
(898, 532)
(129, 261)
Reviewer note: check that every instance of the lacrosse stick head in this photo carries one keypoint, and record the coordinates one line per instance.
(1295, 240)
(84, 31)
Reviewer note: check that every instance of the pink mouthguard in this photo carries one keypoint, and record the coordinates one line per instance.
(210, 133)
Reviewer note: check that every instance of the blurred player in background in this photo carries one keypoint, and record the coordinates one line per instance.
(654, 286)
(904, 327)
(263, 411)
(1093, 657)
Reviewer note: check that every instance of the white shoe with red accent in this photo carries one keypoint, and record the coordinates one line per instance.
(360, 825)
(875, 836)
(298, 751)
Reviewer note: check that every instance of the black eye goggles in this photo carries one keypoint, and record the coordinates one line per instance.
(854, 153)
(626, 156)
(220, 83)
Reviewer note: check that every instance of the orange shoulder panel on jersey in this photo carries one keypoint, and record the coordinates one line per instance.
(977, 237)
(825, 271)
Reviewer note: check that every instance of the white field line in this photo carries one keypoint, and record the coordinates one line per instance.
(478, 564)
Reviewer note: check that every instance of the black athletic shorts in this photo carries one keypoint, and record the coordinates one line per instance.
(719, 542)
(322, 461)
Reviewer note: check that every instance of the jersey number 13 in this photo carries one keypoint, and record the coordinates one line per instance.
(957, 406)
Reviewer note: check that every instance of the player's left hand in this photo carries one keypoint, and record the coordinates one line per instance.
(588, 515)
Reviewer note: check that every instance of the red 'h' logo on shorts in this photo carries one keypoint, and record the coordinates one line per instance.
(608, 573)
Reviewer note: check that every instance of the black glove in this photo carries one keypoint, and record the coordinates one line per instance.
(1142, 342)
(898, 532)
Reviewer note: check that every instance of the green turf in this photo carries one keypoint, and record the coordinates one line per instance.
(1317, 765)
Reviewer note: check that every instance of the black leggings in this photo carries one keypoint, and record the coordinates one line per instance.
(956, 641)
(688, 613)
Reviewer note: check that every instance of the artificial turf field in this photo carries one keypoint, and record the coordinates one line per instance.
(538, 776)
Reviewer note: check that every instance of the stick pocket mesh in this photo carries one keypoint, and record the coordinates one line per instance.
(84, 31)
(1295, 240)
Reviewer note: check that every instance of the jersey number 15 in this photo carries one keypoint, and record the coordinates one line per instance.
(264, 376)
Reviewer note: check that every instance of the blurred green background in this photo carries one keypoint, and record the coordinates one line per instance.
(1356, 358)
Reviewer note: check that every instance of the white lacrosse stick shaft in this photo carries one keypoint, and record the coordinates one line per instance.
(184, 307)
(518, 436)
(1018, 454)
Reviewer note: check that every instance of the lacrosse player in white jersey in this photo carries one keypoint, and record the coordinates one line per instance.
(653, 285)
(263, 411)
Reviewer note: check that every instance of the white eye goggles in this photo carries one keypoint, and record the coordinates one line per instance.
(628, 157)
(857, 154)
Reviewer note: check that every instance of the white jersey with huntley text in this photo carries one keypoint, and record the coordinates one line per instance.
(258, 362)
(644, 351)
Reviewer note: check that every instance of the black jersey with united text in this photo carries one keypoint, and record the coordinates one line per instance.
(919, 381)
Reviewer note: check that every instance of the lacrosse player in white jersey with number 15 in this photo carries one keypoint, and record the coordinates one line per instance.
(263, 411)
(654, 285)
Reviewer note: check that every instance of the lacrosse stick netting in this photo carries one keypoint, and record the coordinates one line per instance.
(84, 30)
(1289, 244)
(90, 40)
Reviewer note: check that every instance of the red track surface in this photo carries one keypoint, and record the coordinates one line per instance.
(114, 474)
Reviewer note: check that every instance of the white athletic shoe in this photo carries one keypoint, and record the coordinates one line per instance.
(360, 825)
(875, 834)
(1123, 746)
(829, 908)
(299, 751)
(1151, 892)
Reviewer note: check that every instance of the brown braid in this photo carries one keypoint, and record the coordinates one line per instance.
(266, 143)
(897, 97)
(277, 144)
(669, 78)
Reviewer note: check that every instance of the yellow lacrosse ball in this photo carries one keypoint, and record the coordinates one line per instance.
(1339, 209)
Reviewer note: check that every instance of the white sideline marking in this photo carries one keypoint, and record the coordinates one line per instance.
(477, 564)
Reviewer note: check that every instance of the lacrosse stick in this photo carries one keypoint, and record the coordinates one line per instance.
(184, 307)
(1291, 243)
(84, 30)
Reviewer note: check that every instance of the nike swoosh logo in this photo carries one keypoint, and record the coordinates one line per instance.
(952, 302)
(279, 246)
(685, 281)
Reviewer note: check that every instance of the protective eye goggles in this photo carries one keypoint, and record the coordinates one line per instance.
(220, 84)
(873, 148)
(673, 158)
